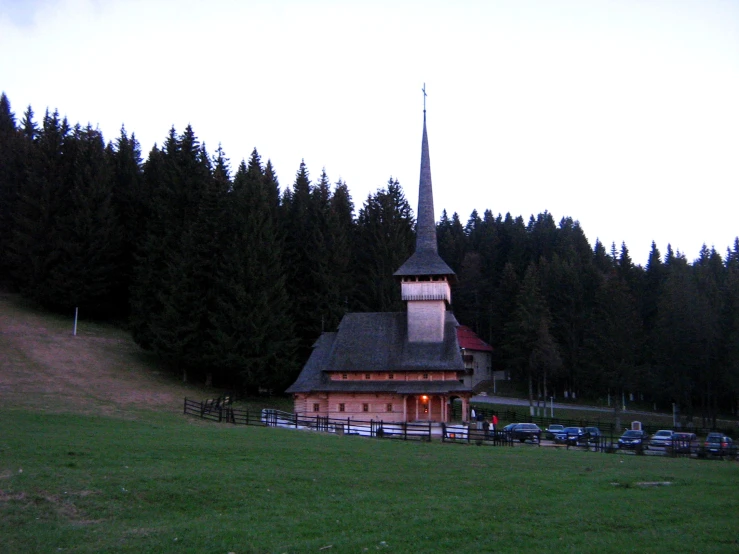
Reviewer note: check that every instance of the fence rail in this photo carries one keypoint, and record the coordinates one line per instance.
(221, 410)
(215, 410)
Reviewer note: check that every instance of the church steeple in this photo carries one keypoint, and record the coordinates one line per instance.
(425, 261)
(425, 278)
(426, 223)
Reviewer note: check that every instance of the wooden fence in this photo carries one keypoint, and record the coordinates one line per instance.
(218, 410)
(222, 410)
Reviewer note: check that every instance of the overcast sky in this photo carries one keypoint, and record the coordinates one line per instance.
(623, 115)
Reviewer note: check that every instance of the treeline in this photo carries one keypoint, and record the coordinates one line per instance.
(567, 318)
(230, 278)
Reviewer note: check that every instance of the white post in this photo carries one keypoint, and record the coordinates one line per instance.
(551, 406)
(623, 401)
(76, 311)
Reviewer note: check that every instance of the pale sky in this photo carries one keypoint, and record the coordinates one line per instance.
(623, 115)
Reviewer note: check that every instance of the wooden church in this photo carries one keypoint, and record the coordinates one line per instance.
(394, 367)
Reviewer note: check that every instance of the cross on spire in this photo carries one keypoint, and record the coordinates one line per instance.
(424, 97)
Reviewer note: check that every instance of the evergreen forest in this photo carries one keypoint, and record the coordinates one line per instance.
(229, 277)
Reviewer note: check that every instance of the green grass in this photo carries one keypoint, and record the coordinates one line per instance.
(168, 483)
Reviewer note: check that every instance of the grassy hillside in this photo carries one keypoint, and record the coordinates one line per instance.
(95, 457)
(43, 366)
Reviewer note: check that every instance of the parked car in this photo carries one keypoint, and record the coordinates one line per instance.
(553, 429)
(571, 435)
(684, 443)
(593, 434)
(632, 440)
(526, 431)
(661, 439)
(718, 444)
(508, 428)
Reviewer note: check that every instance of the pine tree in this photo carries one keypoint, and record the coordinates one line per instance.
(385, 239)
(302, 236)
(38, 204)
(528, 330)
(131, 205)
(167, 298)
(452, 241)
(677, 337)
(613, 344)
(87, 237)
(253, 324)
(11, 177)
(566, 298)
(150, 251)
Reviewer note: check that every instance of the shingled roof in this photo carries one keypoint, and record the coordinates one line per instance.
(469, 340)
(426, 259)
(378, 342)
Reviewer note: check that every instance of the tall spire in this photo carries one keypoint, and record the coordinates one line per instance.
(426, 224)
(425, 260)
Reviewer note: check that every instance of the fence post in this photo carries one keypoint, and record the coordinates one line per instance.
(429, 431)
(185, 408)
(247, 416)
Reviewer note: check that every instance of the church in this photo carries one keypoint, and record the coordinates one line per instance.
(402, 366)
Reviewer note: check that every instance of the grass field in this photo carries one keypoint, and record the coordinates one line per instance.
(86, 470)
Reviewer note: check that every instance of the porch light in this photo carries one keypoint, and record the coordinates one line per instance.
(424, 398)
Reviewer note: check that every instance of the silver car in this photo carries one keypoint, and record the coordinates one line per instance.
(661, 439)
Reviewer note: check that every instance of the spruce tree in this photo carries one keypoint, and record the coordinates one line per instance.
(613, 344)
(131, 205)
(253, 324)
(527, 330)
(385, 239)
(38, 204)
(87, 237)
(11, 176)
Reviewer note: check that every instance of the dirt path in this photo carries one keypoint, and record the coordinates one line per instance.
(43, 366)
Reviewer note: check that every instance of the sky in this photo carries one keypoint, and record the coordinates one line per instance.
(623, 115)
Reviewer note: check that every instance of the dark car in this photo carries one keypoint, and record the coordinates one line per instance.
(661, 439)
(684, 443)
(553, 429)
(632, 440)
(571, 435)
(718, 444)
(526, 431)
(593, 434)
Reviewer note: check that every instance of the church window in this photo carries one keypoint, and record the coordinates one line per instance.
(341, 407)
(389, 408)
(365, 407)
(316, 407)
(391, 376)
(425, 375)
(344, 375)
(366, 375)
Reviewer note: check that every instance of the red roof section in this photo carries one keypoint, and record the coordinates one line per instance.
(470, 341)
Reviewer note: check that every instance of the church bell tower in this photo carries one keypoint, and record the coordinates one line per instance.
(425, 278)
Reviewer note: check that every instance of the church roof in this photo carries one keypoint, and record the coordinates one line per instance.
(378, 342)
(426, 259)
(469, 340)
